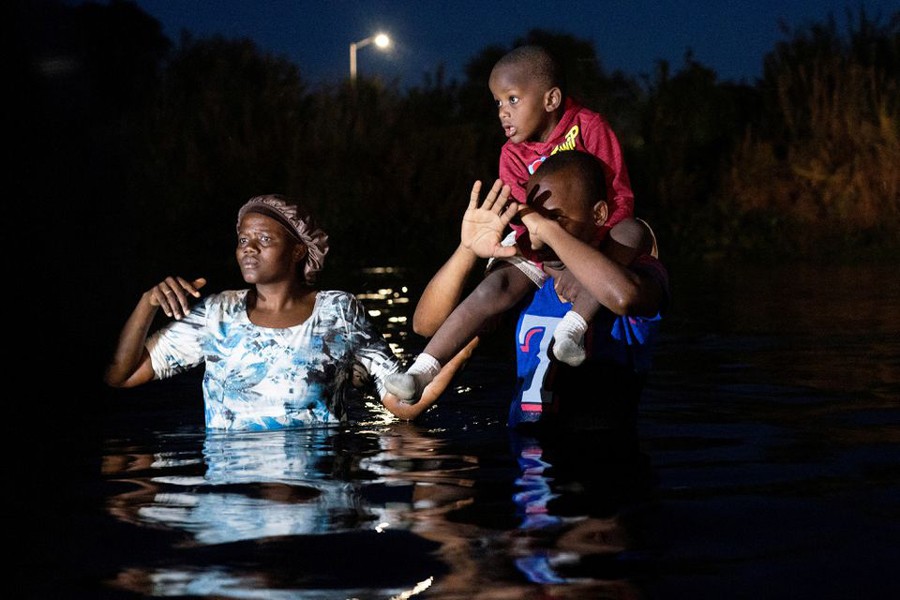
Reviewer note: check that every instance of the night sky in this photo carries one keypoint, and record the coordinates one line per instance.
(730, 37)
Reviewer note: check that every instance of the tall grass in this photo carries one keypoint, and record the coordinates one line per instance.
(825, 162)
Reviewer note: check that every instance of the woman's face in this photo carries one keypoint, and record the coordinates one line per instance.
(266, 252)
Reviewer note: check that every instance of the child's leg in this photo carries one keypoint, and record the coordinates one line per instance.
(568, 337)
(501, 289)
(626, 240)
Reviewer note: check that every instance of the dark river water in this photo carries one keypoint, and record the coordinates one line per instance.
(767, 465)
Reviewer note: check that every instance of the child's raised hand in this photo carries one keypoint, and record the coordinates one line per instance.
(483, 226)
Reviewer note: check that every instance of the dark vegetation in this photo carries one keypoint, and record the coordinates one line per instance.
(137, 151)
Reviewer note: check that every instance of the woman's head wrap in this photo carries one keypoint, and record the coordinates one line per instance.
(298, 222)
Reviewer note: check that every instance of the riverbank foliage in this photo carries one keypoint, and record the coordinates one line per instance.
(158, 142)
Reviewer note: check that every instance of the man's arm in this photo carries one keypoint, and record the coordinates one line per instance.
(433, 390)
(620, 289)
(482, 232)
(481, 235)
(627, 240)
(443, 292)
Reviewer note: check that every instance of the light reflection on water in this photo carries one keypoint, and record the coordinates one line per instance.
(767, 467)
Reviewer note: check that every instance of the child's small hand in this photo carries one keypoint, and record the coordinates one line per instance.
(532, 219)
(567, 285)
(483, 226)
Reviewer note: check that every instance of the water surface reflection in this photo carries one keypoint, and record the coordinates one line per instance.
(766, 465)
(383, 510)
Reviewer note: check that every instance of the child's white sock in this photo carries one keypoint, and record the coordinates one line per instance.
(408, 386)
(568, 339)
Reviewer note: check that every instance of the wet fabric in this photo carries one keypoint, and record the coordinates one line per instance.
(602, 390)
(260, 378)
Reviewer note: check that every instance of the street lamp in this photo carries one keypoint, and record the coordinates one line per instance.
(381, 40)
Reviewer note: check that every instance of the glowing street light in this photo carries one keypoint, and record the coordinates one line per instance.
(381, 40)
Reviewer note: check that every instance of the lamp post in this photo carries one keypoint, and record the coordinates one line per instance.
(381, 40)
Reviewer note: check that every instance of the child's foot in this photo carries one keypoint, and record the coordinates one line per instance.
(568, 339)
(408, 386)
(568, 350)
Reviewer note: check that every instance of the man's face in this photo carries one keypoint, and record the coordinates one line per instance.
(560, 197)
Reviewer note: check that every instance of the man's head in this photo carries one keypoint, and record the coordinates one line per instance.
(527, 85)
(570, 188)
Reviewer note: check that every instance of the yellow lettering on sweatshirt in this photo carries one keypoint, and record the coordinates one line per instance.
(569, 144)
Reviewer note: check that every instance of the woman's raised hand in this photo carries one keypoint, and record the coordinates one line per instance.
(171, 295)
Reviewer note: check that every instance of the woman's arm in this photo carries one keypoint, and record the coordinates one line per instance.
(130, 365)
